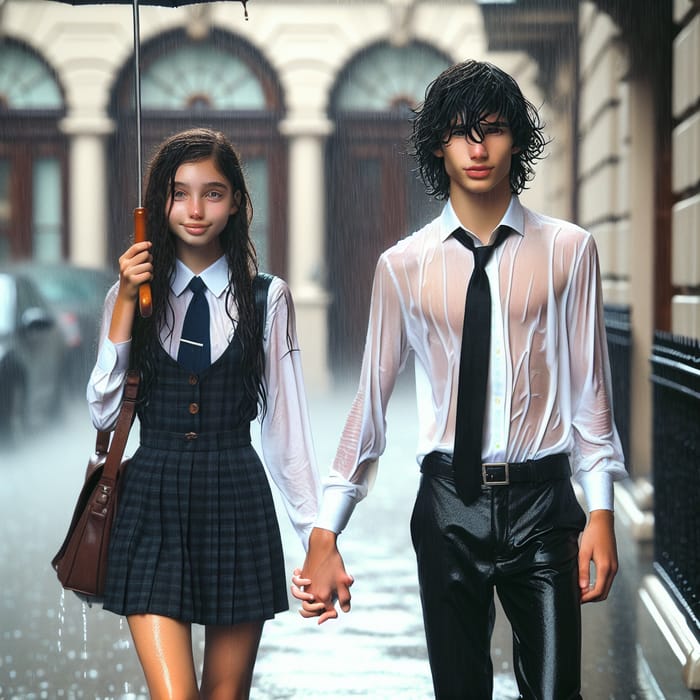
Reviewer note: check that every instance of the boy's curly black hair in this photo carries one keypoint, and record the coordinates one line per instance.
(464, 94)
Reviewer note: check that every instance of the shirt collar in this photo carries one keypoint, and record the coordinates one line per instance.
(215, 277)
(514, 218)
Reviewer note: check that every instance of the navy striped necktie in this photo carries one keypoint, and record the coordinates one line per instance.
(473, 370)
(195, 344)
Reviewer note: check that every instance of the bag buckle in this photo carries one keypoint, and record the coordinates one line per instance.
(495, 473)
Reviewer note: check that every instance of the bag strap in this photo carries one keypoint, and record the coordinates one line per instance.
(121, 431)
(261, 286)
(102, 442)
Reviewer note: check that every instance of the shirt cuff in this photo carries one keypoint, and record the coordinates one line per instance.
(598, 488)
(336, 508)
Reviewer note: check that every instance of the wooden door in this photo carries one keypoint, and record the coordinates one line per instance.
(374, 199)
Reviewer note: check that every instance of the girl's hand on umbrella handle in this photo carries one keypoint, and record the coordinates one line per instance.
(135, 270)
(145, 301)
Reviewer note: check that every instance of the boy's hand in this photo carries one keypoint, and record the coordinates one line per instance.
(597, 546)
(323, 579)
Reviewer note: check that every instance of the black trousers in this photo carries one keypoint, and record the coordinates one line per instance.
(522, 541)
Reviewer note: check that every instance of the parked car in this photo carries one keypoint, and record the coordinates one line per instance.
(77, 295)
(32, 355)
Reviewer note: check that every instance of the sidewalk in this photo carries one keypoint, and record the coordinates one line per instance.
(51, 647)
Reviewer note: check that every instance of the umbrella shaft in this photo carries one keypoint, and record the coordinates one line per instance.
(137, 94)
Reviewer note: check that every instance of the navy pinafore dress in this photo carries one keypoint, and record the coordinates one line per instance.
(196, 536)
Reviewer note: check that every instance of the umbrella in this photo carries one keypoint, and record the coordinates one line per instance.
(140, 234)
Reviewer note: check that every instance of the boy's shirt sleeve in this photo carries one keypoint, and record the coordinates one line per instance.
(363, 439)
(597, 458)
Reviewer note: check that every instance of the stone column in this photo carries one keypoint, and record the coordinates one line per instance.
(306, 268)
(88, 196)
(641, 247)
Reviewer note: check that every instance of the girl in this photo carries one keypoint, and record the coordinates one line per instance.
(195, 538)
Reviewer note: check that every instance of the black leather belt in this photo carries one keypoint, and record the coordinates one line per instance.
(503, 473)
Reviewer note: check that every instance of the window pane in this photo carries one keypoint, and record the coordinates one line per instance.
(208, 78)
(7, 309)
(256, 179)
(389, 78)
(25, 82)
(46, 211)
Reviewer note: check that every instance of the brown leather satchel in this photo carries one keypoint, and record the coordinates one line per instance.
(81, 562)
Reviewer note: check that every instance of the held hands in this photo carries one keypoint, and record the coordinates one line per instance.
(597, 546)
(135, 268)
(323, 579)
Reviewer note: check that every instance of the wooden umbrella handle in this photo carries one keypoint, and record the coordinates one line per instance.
(145, 301)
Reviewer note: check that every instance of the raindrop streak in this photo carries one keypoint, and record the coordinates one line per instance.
(123, 643)
(61, 619)
(84, 654)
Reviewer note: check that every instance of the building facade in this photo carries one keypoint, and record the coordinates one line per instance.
(317, 97)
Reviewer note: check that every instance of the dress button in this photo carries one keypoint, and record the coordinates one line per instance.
(193, 379)
(194, 408)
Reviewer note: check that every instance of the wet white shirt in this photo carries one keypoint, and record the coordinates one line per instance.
(285, 429)
(549, 381)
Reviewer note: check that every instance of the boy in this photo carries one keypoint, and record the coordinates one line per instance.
(508, 408)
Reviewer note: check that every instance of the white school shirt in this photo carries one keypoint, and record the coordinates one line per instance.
(549, 380)
(285, 430)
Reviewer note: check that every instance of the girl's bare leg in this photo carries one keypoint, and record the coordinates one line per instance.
(164, 648)
(229, 658)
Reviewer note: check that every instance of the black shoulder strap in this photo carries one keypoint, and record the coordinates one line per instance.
(261, 286)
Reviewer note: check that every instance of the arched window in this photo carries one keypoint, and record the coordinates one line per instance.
(32, 157)
(221, 82)
(388, 79)
(231, 85)
(374, 196)
(26, 82)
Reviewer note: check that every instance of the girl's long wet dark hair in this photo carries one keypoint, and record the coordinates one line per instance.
(187, 147)
(464, 94)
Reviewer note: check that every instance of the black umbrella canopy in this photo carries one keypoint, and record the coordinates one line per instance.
(140, 234)
(159, 3)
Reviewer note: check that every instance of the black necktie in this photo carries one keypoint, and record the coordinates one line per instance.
(473, 370)
(195, 352)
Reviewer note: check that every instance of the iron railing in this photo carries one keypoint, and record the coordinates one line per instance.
(618, 326)
(676, 464)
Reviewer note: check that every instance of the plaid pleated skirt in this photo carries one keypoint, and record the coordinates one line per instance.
(196, 536)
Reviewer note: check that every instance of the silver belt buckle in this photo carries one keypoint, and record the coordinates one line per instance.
(491, 480)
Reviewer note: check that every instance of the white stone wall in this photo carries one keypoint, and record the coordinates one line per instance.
(685, 270)
(616, 196)
(602, 196)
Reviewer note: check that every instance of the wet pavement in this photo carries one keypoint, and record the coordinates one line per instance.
(52, 646)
